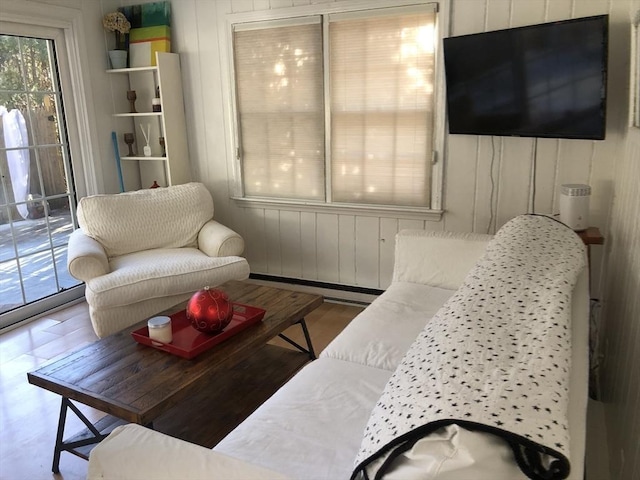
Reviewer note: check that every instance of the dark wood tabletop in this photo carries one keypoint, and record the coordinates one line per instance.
(137, 383)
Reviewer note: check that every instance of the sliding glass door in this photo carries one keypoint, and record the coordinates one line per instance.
(37, 198)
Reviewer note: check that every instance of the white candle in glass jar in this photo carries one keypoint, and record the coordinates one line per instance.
(160, 329)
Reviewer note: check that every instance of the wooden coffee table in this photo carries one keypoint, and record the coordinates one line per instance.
(136, 383)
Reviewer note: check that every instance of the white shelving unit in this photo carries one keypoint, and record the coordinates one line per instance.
(140, 171)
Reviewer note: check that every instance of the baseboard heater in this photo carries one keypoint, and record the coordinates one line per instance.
(315, 284)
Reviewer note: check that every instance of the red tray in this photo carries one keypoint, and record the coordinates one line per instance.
(189, 342)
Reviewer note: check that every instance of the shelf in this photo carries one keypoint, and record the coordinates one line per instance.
(142, 158)
(132, 70)
(139, 114)
(139, 171)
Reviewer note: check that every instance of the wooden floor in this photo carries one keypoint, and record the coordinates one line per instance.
(29, 414)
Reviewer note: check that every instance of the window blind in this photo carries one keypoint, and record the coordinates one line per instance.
(382, 90)
(279, 89)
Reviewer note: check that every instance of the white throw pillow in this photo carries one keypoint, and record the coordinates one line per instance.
(437, 259)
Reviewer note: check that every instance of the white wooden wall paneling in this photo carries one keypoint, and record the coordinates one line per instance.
(242, 6)
(186, 41)
(485, 152)
(624, 250)
(515, 168)
(347, 248)
(460, 175)
(308, 238)
(525, 12)
(388, 230)
(405, 224)
(367, 251)
(621, 369)
(498, 14)
(261, 5)
(328, 260)
(273, 240)
(577, 156)
(546, 169)
(559, 10)
(206, 94)
(254, 236)
(467, 16)
(290, 241)
(274, 4)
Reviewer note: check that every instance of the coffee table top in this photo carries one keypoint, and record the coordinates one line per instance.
(137, 383)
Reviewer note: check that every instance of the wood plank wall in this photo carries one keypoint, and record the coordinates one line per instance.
(620, 375)
(355, 249)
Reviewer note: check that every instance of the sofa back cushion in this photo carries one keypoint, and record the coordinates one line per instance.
(437, 259)
(146, 219)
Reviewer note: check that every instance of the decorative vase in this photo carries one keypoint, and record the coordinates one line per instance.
(118, 58)
(209, 310)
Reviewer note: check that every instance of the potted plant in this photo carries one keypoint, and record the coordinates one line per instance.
(116, 22)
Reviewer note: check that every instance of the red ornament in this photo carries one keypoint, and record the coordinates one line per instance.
(209, 310)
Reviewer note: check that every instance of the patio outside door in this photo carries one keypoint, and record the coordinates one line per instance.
(37, 198)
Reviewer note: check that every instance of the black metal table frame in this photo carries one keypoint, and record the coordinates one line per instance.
(307, 337)
(93, 435)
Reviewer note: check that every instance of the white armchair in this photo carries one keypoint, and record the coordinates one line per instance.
(142, 252)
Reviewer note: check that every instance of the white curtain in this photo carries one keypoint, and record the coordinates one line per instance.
(15, 137)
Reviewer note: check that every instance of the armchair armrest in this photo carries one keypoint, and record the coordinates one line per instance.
(133, 452)
(216, 240)
(86, 259)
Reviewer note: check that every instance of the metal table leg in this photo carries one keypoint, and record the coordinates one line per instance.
(307, 337)
(86, 438)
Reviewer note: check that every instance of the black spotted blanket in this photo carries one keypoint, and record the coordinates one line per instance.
(495, 358)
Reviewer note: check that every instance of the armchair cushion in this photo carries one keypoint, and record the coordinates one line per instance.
(159, 273)
(130, 222)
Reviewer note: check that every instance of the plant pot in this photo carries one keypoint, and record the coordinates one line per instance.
(118, 58)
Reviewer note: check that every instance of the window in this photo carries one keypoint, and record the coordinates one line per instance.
(337, 108)
(281, 111)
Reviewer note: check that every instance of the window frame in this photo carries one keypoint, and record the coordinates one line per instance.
(61, 27)
(356, 7)
(65, 27)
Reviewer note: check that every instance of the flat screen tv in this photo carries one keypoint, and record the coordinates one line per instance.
(546, 80)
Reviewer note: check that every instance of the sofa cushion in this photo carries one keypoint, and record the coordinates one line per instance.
(380, 335)
(143, 453)
(146, 219)
(311, 427)
(157, 273)
(438, 259)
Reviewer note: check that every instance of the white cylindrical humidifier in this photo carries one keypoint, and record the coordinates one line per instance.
(574, 206)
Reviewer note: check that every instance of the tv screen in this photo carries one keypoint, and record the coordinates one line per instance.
(546, 80)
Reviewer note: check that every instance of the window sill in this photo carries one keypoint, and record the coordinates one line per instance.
(410, 213)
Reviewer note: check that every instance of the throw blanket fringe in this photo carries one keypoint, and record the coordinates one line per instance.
(495, 358)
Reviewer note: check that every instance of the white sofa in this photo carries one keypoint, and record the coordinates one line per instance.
(142, 252)
(312, 428)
